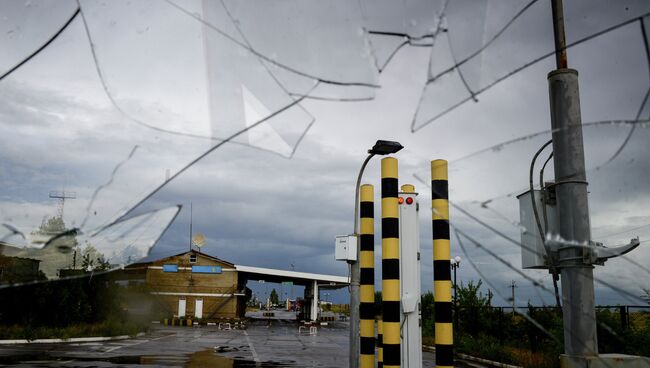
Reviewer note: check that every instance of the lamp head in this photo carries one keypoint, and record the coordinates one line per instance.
(385, 147)
(457, 259)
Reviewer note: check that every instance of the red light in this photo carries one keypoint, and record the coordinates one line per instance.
(409, 200)
(400, 200)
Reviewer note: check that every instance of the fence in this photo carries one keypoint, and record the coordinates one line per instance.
(622, 329)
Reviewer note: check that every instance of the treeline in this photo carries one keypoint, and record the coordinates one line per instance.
(532, 337)
(53, 308)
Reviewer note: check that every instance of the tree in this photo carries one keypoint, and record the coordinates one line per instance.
(93, 260)
(469, 296)
(274, 297)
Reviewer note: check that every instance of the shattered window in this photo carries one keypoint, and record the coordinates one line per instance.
(134, 132)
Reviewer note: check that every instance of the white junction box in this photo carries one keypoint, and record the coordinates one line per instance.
(345, 248)
(533, 254)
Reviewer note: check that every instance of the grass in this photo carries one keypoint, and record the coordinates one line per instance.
(107, 328)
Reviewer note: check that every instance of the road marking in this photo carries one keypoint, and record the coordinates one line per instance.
(134, 344)
(250, 344)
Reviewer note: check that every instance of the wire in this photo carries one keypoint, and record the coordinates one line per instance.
(518, 69)
(46, 44)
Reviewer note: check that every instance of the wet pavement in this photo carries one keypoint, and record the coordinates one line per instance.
(267, 342)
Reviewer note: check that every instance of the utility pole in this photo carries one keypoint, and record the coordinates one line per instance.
(513, 285)
(578, 310)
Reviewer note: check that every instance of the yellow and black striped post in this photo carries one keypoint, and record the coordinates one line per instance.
(367, 278)
(390, 263)
(380, 344)
(441, 264)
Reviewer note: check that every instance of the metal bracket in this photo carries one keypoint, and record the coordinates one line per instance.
(594, 253)
(602, 253)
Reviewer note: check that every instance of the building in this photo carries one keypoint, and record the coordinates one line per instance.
(199, 285)
(18, 270)
(193, 284)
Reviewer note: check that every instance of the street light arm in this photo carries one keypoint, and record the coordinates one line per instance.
(356, 194)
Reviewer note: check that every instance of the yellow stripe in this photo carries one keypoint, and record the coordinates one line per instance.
(391, 366)
(442, 291)
(380, 327)
(389, 167)
(444, 366)
(389, 207)
(441, 250)
(367, 361)
(391, 333)
(408, 188)
(390, 290)
(367, 293)
(440, 209)
(439, 170)
(444, 333)
(390, 248)
(367, 259)
(366, 194)
(367, 327)
(367, 225)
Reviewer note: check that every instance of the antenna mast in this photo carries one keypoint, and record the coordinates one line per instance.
(62, 196)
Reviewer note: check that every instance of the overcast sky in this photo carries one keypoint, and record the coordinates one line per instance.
(165, 81)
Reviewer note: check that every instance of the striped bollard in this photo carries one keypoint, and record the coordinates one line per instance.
(390, 263)
(441, 264)
(367, 278)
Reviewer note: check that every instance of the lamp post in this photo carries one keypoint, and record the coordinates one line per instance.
(455, 263)
(380, 148)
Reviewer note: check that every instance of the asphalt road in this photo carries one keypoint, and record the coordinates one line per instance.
(265, 343)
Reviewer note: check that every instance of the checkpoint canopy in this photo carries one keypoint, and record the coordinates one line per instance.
(312, 282)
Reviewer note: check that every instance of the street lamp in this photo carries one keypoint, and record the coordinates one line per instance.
(380, 148)
(455, 263)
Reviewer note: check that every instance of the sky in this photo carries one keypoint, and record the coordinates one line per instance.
(128, 108)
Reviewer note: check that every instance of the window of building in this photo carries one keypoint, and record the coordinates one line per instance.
(192, 258)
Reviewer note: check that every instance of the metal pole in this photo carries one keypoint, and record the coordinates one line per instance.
(367, 277)
(390, 272)
(355, 276)
(455, 266)
(573, 212)
(558, 31)
(578, 310)
(441, 264)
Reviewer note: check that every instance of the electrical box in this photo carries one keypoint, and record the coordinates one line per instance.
(345, 248)
(533, 254)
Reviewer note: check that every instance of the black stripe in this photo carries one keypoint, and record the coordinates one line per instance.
(367, 345)
(441, 270)
(367, 310)
(439, 189)
(440, 229)
(380, 365)
(445, 355)
(380, 340)
(367, 276)
(367, 242)
(388, 187)
(390, 227)
(390, 269)
(367, 209)
(392, 354)
(442, 311)
(391, 311)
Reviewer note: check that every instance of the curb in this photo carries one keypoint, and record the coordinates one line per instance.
(474, 359)
(73, 339)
